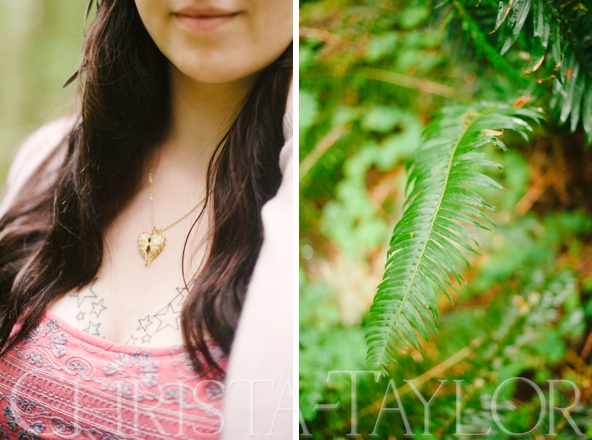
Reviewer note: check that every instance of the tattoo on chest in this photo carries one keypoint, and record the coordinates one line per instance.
(168, 317)
(90, 307)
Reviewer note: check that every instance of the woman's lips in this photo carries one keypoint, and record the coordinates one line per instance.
(203, 21)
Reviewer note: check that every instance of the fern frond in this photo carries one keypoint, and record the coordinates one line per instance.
(439, 208)
(482, 45)
(569, 24)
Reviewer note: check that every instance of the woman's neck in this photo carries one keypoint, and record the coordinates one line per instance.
(201, 114)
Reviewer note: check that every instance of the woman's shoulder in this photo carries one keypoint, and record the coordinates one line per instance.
(45, 146)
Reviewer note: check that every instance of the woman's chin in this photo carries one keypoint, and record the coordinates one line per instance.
(221, 72)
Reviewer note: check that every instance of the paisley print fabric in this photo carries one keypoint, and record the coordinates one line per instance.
(63, 383)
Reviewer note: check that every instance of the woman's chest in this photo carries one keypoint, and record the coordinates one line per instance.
(130, 302)
(145, 314)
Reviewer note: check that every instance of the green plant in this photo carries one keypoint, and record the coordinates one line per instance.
(374, 75)
(427, 236)
(566, 26)
(433, 225)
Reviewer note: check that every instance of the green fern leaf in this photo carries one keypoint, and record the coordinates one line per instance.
(571, 95)
(570, 71)
(587, 112)
(514, 23)
(540, 36)
(564, 26)
(502, 13)
(482, 45)
(439, 209)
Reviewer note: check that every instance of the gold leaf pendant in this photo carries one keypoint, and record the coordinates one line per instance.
(150, 244)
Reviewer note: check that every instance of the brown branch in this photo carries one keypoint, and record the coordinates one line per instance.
(321, 148)
(587, 347)
(428, 375)
(536, 191)
(410, 82)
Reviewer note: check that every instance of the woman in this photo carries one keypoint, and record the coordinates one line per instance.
(130, 233)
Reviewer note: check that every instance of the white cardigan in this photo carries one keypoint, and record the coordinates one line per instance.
(262, 349)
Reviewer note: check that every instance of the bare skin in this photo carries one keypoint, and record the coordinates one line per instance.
(211, 73)
(128, 302)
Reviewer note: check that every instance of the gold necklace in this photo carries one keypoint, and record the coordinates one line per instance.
(150, 244)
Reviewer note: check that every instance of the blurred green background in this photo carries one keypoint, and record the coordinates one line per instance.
(40, 43)
(372, 72)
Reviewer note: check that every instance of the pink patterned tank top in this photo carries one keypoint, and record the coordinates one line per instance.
(62, 383)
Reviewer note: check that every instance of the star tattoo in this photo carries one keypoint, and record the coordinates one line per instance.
(80, 316)
(81, 296)
(93, 329)
(168, 318)
(144, 323)
(98, 307)
(181, 299)
(146, 338)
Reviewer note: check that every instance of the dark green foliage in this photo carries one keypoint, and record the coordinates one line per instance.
(514, 16)
(566, 26)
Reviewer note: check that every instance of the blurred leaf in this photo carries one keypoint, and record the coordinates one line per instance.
(309, 108)
(551, 346)
(381, 46)
(382, 119)
(413, 16)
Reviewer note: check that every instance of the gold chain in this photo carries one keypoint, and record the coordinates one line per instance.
(154, 228)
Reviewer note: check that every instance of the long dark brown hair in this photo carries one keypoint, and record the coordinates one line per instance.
(51, 240)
